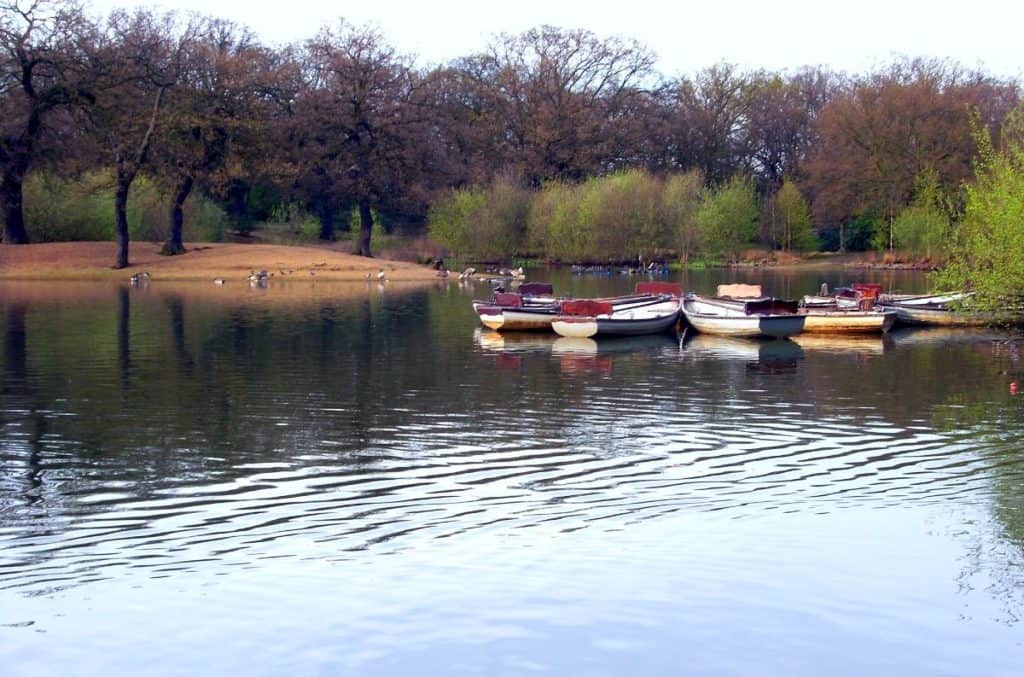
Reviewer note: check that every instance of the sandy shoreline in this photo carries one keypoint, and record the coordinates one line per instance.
(231, 262)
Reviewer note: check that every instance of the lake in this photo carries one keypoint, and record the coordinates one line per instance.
(355, 479)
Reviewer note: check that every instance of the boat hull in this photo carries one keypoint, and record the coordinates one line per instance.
(942, 317)
(777, 326)
(587, 327)
(537, 313)
(849, 321)
(729, 319)
(503, 318)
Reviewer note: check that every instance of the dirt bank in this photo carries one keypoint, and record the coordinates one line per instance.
(202, 262)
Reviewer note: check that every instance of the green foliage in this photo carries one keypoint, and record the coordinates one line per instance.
(482, 223)
(618, 217)
(857, 235)
(59, 210)
(728, 218)
(989, 256)
(794, 219)
(553, 226)
(680, 203)
(609, 218)
(621, 214)
(923, 227)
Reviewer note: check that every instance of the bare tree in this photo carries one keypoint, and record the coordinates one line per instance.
(360, 124)
(143, 59)
(45, 67)
(559, 100)
(210, 114)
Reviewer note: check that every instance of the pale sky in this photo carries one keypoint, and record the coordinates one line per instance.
(687, 36)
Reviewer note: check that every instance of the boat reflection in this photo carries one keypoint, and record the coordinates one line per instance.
(858, 344)
(910, 336)
(616, 345)
(777, 356)
(513, 342)
(575, 355)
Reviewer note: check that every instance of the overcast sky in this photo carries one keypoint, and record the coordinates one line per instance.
(686, 36)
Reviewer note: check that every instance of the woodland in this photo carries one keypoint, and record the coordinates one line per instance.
(555, 144)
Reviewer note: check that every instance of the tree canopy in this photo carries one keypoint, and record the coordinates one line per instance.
(345, 122)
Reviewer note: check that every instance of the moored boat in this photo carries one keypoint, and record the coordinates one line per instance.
(943, 298)
(951, 309)
(530, 308)
(507, 311)
(730, 314)
(838, 320)
(585, 319)
(941, 315)
(762, 318)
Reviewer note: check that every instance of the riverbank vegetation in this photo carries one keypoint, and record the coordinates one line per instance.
(552, 143)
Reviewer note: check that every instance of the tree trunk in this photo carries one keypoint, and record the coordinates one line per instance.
(14, 214)
(126, 172)
(124, 182)
(238, 206)
(327, 223)
(174, 244)
(365, 228)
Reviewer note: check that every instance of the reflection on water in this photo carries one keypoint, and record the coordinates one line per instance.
(448, 496)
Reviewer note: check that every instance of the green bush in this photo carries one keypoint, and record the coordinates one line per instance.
(621, 212)
(923, 228)
(482, 223)
(989, 256)
(553, 226)
(82, 208)
(728, 218)
(680, 202)
(57, 209)
(790, 216)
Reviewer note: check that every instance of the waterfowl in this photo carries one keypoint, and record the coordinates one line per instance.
(219, 280)
(380, 275)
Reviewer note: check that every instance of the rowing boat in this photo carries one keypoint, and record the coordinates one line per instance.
(585, 319)
(761, 317)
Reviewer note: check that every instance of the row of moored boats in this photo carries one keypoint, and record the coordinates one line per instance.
(735, 310)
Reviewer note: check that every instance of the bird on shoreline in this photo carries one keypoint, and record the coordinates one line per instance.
(380, 275)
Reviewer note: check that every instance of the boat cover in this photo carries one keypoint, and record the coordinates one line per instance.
(586, 307)
(508, 299)
(656, 288)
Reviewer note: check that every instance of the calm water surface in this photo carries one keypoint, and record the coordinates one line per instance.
(357, 480)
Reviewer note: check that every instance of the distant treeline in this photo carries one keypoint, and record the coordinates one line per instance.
(552, 142)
